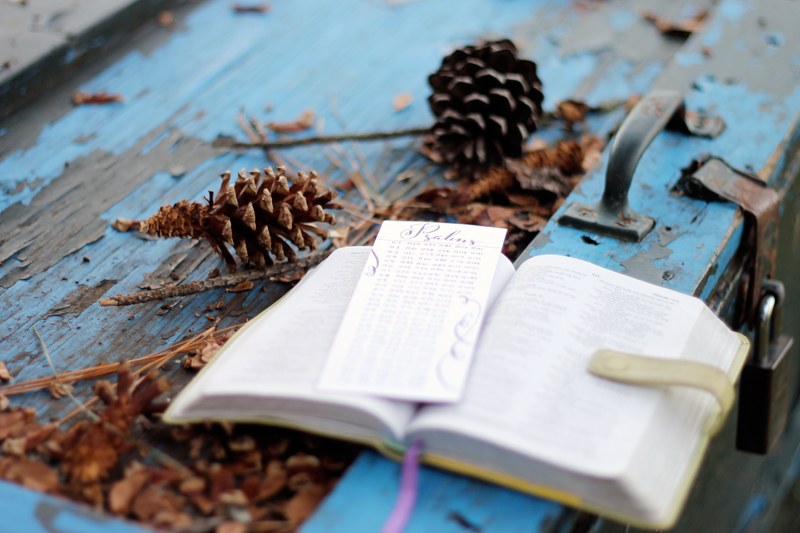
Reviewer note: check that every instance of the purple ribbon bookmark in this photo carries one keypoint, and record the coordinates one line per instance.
(407, 496)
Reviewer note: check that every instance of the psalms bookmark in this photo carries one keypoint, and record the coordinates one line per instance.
(411, 325)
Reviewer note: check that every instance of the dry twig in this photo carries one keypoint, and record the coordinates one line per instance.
(198, 286)
(374, 136)
(107, 369)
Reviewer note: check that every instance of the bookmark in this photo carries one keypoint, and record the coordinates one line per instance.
(407, 496)
(655, 371)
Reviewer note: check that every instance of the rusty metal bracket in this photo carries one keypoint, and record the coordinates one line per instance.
(612, 216)
(761, 206)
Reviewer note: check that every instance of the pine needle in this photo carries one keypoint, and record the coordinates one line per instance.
(166, 459)
(72, 397)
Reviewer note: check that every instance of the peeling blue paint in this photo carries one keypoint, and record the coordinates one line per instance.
(622, 19)
(734, 10)
(712, 35)
(623, 81)
(686, 59)
(244, 68)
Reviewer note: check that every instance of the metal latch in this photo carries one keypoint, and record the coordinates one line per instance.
(613, 216)
(764, 388)
(761, 206)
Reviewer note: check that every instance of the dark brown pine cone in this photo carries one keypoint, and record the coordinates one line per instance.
(487, 102)
(254, 217)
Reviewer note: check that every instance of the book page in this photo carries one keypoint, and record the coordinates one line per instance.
(529, 389)
(411, 327)
(282, 354)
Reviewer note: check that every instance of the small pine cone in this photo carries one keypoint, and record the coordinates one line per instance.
(567, 156)
(256, 217)
(496, 179)
(487, 102)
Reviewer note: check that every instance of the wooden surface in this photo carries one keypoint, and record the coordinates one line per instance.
(42, 42)
(66, 173)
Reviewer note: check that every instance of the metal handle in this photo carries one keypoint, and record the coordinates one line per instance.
(645, 121)
(612, 216)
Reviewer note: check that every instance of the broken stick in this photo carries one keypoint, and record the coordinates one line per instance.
(195, 287)
(373, 136)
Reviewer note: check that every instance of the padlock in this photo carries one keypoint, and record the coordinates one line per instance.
(764, 387)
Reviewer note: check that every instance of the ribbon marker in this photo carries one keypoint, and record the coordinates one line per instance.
(407, 496)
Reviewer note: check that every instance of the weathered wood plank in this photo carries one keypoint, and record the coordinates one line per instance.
(447, 503)
(117, 160)
(42, 42)
(25, 510)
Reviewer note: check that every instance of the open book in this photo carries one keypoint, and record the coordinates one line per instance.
(531, 417)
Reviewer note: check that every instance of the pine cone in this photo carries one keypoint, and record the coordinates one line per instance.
(567, 156)
(487, 102)
(254, 217)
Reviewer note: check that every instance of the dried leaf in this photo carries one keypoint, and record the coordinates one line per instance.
(498, 215)
(269, 526)
(251, 8)
(15, 447)
(496, 179)
(682, 27)
(152, 501)
(231, 527)
(125, 224)
(274, 482)
(302, 504)
(402, 101)
(571, 111)
(289, 277)
(192, 485)
(303, 122)
(567, 156)
(4, 374)
(546, 179)
(241, 287)
(4, 402)
(301, 462)
(528, 222)
(234, 497)
(11, 421)
(245, 443)
(80, 98)
(29, 437)
(30, 473)
(222, 481)
(123, 492)
(58, 390)
(527, 201)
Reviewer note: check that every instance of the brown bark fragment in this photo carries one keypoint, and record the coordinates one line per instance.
(302, 504)
(231, 527)
(241, 287)
(123, 492)
(303, 122)
(11, 421)
(30, 473)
